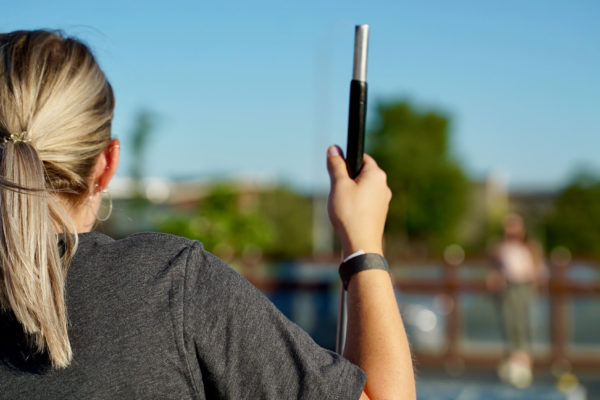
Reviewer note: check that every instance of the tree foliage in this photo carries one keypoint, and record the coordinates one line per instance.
(430, 188)
(225, 224)
(275, 223)
(574, 222)
(290, 215)
(140, 139)
(140, 136)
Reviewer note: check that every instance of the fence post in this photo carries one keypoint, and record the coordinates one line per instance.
(453, 326)
(558, 311)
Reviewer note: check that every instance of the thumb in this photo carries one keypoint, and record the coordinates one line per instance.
(336, 165)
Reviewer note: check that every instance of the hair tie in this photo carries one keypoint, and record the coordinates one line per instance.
(17, 138)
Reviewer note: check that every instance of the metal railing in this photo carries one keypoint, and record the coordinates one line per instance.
(560, 289)
(452, 284)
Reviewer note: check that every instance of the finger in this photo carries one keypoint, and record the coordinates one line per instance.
(369, 167)
(369, 162)
(336, 165)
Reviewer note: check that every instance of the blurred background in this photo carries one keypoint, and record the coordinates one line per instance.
(477, 110)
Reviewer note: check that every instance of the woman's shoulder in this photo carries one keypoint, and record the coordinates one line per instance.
(148, 241)
(147, 250)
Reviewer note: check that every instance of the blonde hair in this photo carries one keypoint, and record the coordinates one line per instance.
(53, 92)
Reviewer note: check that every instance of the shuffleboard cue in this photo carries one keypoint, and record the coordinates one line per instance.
(357, 117)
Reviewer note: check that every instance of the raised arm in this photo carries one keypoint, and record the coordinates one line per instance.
(376, 340)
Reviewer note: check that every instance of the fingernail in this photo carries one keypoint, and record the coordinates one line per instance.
(333, 151)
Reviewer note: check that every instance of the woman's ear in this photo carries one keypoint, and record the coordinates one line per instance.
(106, 165)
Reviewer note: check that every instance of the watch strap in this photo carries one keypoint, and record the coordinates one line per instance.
(360, 263)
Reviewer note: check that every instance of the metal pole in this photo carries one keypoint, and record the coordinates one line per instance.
(354, 151)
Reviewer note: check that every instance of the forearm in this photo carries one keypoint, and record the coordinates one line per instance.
(376, 340)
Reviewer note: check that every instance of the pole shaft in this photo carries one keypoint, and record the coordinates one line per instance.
(357, 116)
(361, 44)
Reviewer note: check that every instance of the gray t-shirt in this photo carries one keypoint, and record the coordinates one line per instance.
(156, 316)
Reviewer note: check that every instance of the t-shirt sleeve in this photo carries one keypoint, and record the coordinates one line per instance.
(244, 348)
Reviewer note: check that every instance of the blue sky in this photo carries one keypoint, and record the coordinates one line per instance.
(259, 89)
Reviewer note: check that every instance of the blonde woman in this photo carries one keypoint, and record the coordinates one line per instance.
(153, 315)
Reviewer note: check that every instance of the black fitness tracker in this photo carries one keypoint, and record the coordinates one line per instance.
(361, 263)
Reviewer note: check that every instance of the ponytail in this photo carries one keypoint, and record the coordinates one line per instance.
(55, 94)
(32, 271)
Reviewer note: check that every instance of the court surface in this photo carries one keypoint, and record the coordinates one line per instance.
(446, 389)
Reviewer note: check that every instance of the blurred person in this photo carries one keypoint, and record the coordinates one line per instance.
(520, 269)
(154, 315)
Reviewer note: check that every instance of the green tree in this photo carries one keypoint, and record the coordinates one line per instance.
(225, 224)
(429, 186)
(290, 215)
(140, 139)
(574, 222)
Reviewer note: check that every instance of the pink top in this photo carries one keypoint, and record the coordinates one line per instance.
(517, 263)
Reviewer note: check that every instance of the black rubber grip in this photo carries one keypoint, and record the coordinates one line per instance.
(356, 127)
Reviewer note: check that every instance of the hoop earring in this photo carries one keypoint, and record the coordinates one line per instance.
(109, 206)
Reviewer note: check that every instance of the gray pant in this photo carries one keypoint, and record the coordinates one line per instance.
(516, 307)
